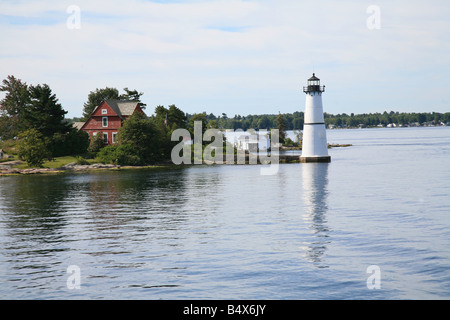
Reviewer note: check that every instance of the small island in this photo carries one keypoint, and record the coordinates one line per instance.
(115, 132)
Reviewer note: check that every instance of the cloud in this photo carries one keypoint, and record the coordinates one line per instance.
(242, 56)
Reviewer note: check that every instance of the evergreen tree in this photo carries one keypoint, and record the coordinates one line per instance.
(281, 126)
(12, 107)
(44, 113)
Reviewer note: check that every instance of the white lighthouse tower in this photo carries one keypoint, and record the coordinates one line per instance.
(314, 145)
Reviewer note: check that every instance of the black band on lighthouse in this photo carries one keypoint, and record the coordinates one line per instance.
(314, 123)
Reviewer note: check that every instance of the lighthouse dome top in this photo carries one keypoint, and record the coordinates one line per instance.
(313, 77)
(313, 85)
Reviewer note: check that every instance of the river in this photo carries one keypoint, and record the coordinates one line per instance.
(372, 224)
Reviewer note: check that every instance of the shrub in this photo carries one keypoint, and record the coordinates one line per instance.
(70, 143)
(9, 146)
(97, 143)
(123, 154)
(32, 148)
(81, 161)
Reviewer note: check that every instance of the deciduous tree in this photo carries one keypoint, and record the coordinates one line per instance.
(32, 148)
(141, 133)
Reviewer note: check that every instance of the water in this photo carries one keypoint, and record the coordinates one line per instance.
(227, 232)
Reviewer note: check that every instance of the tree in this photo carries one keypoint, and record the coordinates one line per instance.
(44, 113)
(32, 148)
(96, 143)
(141, 133)
(132, 95)
(281, 126)
(96, 97)
(172, 117)
(176, 118)
(74, 142)
(167, 120)
(198, 117)
(263, 122)
(12, 107)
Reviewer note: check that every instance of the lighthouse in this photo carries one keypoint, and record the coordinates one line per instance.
(314, 145)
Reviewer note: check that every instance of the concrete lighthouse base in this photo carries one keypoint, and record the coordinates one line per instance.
(315, 159)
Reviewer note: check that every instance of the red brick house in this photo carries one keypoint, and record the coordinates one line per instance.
(108, 118)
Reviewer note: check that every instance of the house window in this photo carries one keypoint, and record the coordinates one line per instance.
(105, 121)
(104, 111)
(114, 137)
(105, 138)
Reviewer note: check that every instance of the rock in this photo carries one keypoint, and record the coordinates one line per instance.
(12, 171)
(69, 165)
(74, 166)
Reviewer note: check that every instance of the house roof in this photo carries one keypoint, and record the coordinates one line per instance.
(122, 107)
(78, 125)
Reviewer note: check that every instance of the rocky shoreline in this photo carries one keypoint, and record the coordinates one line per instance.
(7, 168)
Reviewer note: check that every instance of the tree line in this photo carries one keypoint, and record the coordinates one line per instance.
(294, 121)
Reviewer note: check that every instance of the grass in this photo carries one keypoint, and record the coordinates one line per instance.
(56, 163)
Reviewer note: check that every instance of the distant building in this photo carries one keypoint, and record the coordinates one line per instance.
(108, 117)
(253, 142)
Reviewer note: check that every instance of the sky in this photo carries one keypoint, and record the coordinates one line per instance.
(234, 56)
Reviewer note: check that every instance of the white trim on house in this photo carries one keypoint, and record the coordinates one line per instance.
(103, 122)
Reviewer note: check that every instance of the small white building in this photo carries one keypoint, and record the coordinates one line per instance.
(253, 142)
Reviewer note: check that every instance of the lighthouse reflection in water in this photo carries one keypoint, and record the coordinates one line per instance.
(314, 191)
